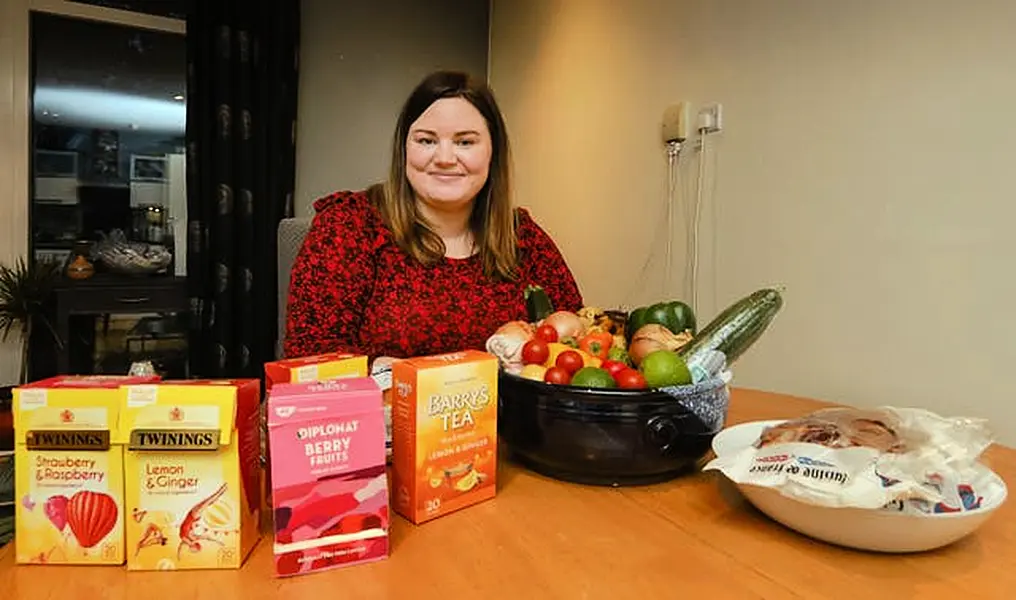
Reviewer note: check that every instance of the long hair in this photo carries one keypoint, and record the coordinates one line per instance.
(492, 221)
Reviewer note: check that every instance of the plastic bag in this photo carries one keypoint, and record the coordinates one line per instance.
(900, 459)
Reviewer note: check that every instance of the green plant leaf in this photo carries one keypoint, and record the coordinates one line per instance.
(24, 292)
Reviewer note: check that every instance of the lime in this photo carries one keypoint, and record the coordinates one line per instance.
(663, 367)
(594, 377)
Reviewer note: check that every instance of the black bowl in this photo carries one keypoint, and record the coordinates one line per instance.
(609, 436)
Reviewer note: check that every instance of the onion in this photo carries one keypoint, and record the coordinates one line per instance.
(567, 324)
(652, 337)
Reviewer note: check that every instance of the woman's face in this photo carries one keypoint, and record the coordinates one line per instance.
(448, 153)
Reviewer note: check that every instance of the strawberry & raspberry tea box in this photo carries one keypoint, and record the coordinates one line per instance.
(330, 488)
(192, 473)
(68, 465)
(444, 418)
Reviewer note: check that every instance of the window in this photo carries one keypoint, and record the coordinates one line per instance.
(108, 122)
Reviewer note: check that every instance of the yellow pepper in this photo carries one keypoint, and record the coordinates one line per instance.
(556, 348)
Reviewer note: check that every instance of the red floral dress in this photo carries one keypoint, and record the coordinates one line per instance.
(352, 289)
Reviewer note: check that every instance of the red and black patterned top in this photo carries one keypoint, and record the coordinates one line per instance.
(353, 289)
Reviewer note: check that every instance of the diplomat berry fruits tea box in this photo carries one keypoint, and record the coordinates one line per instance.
(329, 486)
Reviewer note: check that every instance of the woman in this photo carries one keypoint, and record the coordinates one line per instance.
(435, 259)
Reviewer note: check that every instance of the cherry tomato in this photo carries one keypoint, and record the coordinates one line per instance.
(630, 379)
(557, 375)
(570, 361)
(613, 367)
(546, 333)
(535, 352)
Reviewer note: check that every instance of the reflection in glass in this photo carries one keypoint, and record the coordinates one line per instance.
(109, 117)
(107, 145)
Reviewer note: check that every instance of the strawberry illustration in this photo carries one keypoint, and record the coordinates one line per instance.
(56, 511)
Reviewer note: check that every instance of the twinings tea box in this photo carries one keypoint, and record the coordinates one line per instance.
(69, 471)
(192, 473)
(308, 369)
(330, 489)
(444, 415)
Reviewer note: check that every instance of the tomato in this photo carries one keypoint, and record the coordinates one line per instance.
(535, 352)
(630, 379)
(557, 375)
(570, 361)
(613, 367)
(546, 333)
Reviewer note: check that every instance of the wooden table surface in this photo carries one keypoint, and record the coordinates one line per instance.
(545, 539)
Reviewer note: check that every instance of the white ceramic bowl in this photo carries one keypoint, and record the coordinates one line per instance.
(862, 529)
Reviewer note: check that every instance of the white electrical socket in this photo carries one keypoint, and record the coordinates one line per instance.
(710, 118)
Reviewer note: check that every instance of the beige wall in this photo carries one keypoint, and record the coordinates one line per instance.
(866, 164)
(358, 62)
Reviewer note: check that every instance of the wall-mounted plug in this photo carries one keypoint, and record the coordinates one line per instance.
(710, 118)
(675, 122)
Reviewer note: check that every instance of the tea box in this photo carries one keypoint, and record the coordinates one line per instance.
(192, 473)
(319, 367)
(444, 419)
(69, 488)
(306, 369)
(329, 484)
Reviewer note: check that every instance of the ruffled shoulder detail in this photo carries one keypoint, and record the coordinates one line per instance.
(527, 232)
(356, 210)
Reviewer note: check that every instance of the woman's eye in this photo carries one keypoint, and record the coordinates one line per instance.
(466, 142)
(425, 141)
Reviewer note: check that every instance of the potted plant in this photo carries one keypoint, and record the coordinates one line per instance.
(24, 293)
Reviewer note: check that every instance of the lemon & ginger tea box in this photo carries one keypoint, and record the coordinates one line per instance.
(444, 419)
(192, 473)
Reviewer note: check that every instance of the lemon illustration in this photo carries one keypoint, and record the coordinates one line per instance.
(468, 482)
(220, 515)
(435, 482)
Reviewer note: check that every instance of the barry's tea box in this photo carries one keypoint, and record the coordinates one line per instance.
(330, 489)
(444, 416)
(192, 473)
(69, 486)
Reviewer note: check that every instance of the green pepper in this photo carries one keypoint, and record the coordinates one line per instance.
(676, 316)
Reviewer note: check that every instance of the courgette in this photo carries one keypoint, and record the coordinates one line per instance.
(738, 327)
(538, 304)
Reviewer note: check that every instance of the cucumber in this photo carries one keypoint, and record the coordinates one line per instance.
(738, 327)
(538, 304)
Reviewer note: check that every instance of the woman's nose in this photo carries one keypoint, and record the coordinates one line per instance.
(445, 153)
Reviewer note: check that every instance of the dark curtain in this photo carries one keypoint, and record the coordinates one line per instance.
(241, 127)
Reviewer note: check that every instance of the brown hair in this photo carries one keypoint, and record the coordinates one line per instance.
(492, 221)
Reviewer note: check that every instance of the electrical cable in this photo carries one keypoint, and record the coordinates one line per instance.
(673, 169)
(695, 223)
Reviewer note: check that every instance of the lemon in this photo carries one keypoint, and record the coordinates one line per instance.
(663, 368)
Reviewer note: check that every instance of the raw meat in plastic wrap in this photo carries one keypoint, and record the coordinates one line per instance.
(506, 344)
(900, 459)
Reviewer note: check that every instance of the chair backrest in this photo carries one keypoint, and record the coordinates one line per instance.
(290, 237)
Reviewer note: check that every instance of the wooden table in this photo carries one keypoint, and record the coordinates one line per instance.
(544, 539)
